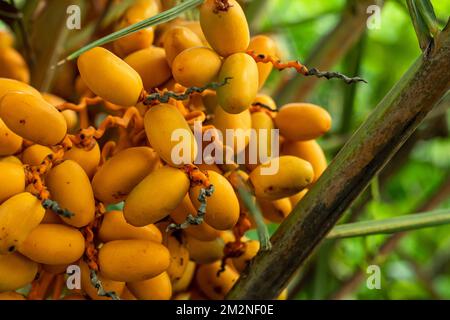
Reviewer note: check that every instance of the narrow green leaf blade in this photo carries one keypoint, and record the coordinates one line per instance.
(391, 225)
(425, 9)
(153, 21)
(422, 31)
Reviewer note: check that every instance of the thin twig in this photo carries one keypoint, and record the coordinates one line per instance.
(167, 95)
(192, 220)
(302, 69)
(54, 206)
(332, 74)
(95, 281)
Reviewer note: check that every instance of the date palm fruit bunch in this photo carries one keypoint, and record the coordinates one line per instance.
(90, 185)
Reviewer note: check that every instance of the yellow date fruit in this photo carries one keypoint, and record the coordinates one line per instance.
(11, 159)
(13, 177)
(177, 39)
(70, 187)
(205, 251)
(195, 27)
(281, 177)
(179, 255)
(302, 121)
(32, 118)
(226, 30)
(7, 85)
(242, 87)
(157, 288)
(55, 268)
(266, 100)
(35, 154)
(81, 88)
(240, 124)
(215, 286)
(115, 227)
(107, 284)
(196, 67)
(6, 39)
(110, 77)
(13, 65)
(262, 44)
(151, 65)
(169, 134)
(310, 151)
(19, 216)
(51, 217)
(260, 148)
(250, 251)
(115, 179)
(222, 211)
(127, 295)
(143, 9)
(11, 295)
(16, 271)
(141, 39)
(133, 260)
(53, 244)
(297, 197)
(54, 100)
(196, 294)
(70, 116)
(227, 236)
(183, 283)
(182, 296)
(277, 210)
(87, 159)
(203, 231)
(212, 167)
(155, 197)
(10, 143)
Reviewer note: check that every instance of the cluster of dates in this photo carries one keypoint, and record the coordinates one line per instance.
(94, 184)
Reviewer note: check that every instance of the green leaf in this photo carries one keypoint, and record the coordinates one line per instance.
(421, 28)
(426, 10)
(375, 189)
(153, 21)
(391, 225)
